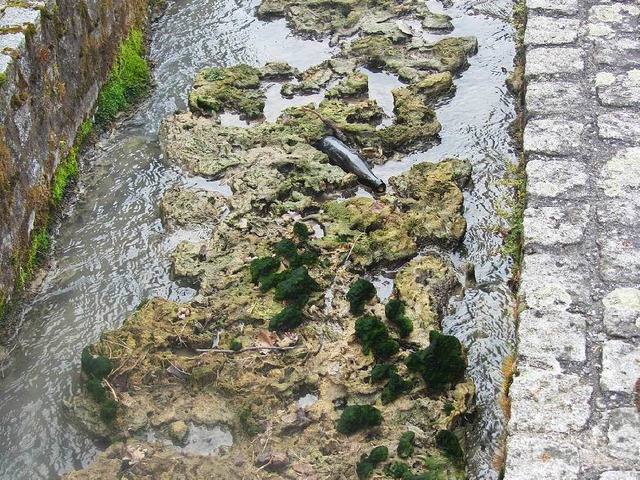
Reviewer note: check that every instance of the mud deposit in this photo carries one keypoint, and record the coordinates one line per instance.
(261, 363)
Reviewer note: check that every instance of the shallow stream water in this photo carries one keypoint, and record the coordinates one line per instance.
(111, 251)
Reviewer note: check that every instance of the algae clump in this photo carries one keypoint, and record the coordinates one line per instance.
(95, 366)
(357, 417)
(367, 463)
(360, 293)
(405, 446)
(395, 387)
(449, 444)
(441, 363)
(374, 337)
(263, 266)
(394, 311)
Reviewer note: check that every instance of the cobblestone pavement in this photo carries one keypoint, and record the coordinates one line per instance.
(574, 413)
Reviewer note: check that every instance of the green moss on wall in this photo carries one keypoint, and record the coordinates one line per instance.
(129, 81)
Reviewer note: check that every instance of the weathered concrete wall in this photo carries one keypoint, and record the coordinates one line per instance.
(575, 403)
(54, 56)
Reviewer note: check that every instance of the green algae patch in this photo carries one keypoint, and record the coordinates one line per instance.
(233, 88)
(357, 417)
(374, 337)
(441, 364)
(129, 80)
(359, 294)
(405, 445)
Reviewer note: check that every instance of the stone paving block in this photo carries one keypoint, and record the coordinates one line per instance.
(624, 434)
(17, 16)
(618, 52)
(554, 282)
(537, 457)
(552, 136)
(621, 174)
(620, 125)
(552, 61)
(568, 7)
(620, 475)
(553, 97)
(552, 336)
(555, 226)
(619, 90)
(619, 257)
(621, 212)
(556, 179)
(544, 401)
(543, 30)
(607, 20)
(620, 366)
(622, 312)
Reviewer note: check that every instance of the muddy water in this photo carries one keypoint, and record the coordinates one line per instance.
(111, 252)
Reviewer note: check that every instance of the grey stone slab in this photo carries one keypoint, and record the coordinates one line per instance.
(554, 282)
(607, 20)
(552, 136)
(617, 52)
(619, 90)
(624, 434)
(622, 312)
(536, 457)
(18, 16)
(13, 41)
(543, 98)
(555, 226)
(620, 475)
(620, 125)
(554, 60)
(620, 366)
(619, 257)
(619, 213)
(621, 174)
(556, 179)
(544, 401)
(543, 30)
(5, 61)
(552, 336)
(559, 6)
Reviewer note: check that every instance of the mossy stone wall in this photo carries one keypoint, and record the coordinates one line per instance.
(57, 59)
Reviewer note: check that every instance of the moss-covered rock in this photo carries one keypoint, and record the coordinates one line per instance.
(233, 88)
(355, 84)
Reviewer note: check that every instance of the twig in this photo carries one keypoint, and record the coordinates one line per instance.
(346, 259)
(106, 383)
(242, 350)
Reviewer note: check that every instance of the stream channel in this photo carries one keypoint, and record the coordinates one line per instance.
(111, 251)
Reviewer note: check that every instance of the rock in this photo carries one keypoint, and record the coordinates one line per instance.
(178, 432)
(272, 460)
(622, 312)
(183, 207)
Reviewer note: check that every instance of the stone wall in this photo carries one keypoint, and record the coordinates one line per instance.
(54, 56)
